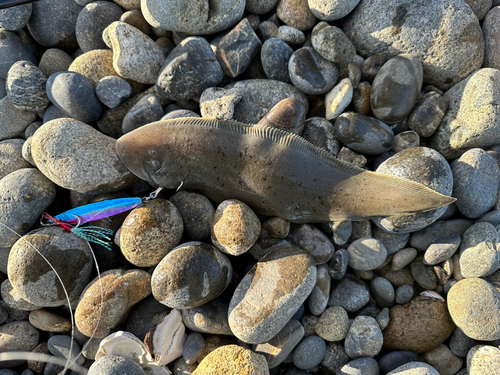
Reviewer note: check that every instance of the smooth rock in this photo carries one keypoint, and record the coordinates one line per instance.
(264, 287)
(11, 158)
(420, 325)
(197, 213)
(146, 315)
(338, 98)
(350, 293)
(91, 22)
(54, 60)
(422, 274)
(318, 299)
(25, 87)
(480, 7)
(422, 239)
(410, 164)
(313, 241)
(319, 131)
(211, 318)
(193, 18)
(191, 275)
(383, 291)
(442, 249)
(18, 336)
(53, 23)
(366, 254)
(414, 368)
(295, 13)
(443, 360)
(190, 69)
(13, 120)
(78, 157)
(474, 306)
(476, 178)
(48, 320)
(287, 115)
(135, 18)
(394, 359)
(73, 94)
(275, 54)
(150, 232)
(232, 360)
(360, 366)
(364, 338)
(12, 49)
(332, 44)
(333, 324)
(471, 120)
(267, 30)
(147, 110)
(237, 49)
(428, 113)
(260, 6)
(113, 91)
(361, 98)
(13, 300)
(291, 35)
(332, 10)
(335, 357)
(363, 134)
(135, 55)
(491, 33)
(393, 242)
(112, 364)
(404, 140)
(259, 96)
(483, 359)
(311, 73)
(111, 297)
(193, 348)
(309, 352)
(396, 88)
(447, 29)
(338, 265)
(65, 347)
(402, 258)
(15, 17)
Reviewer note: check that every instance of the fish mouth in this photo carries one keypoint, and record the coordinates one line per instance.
(128, 154)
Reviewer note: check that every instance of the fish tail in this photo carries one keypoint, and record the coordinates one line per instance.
(98, 235)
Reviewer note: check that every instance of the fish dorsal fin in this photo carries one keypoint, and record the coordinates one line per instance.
(272, 134)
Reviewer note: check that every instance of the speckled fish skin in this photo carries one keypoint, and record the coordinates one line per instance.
(274, 172)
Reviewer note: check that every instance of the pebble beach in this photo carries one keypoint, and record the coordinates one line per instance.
(409, 89)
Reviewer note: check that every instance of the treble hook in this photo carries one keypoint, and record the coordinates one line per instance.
(153, 195)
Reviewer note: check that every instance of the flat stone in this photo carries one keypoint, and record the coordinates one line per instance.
(47, 320)
(309, 352)
(364, 338)
(442, 249)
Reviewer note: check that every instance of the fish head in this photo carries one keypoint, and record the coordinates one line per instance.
(149, 154)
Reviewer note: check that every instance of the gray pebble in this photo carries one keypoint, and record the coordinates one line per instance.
(332, 10)
(13, 120)
(402, 258)
(363, 134)
(53, 113)
(395, 359)
(341, 232)
(275, 55)
(335, 357)
(404, 140)
(220, 103)
(179, 114)
(91, 22)
(18, 336)
(291, 35)
(338, 265)
(112, 91)
(364, 338)
(191, 275)
(147, 110)
(36, 281)
(197, 213)
(349, 293)
(210, 317)
(423, 165)
(26, 87)
(309, 352)
(267, 30)
(318, 299)
(278, 348)
(476, 177)
(12, 49)
(135, 18)
(11, 158)
(393, 242)
(13, 299)
(74, 94)
(20, 214)
(259, 310)
(492, 217)
(54, 60)
(428, 113)
(332, 44)
(312, 240)
(16, 17)
(396, 88)
(112, 364)
(383, 291)
(460, 343)
(366, 254)
(442, 249)
(182, 368)
(479, 254)
(311, 73)
(237, 49)
(422, 274)
(260, 6)
(193, 348)
(422, 239)
(360, 366)
(319, 131)
(65, 347)
(189, 69)
(333, 324)
(53, 22)
(383, 318)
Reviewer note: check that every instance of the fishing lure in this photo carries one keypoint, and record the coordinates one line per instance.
(72, 219)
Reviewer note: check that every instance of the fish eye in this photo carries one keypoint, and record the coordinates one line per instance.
(153, 153)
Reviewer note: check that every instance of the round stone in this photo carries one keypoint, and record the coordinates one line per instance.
(107, 300)
(210, 318)
(191, 275)
(309, 352)
(402, 258)
(474, 306)
(16, 17)
(478, 250)
(363, 134)
(332, 10)
(12, 49)
(483, 359)
(235, 227)
(428, 114)
(47, 320)
(36, 280)
(112, 91)
(333, 324)
(25, 87)
(77, 157)
(54, 60)
(443, 360)
(476, 177)
(491, 33)
(396, 88)
(366, 254)
(295, 13)
(364, 338)
(423, 165)
(18, 336)
(404, 140)
(112, 364)
(260, 6)
(420, 325)
(197, 213)
(414, 368)
(311, 239)
(311, 73)
(74, 94)
(65, 347)
(442, 249)
(383, 291)
(11, 158)
(389, 29)
(291, 35)
(360, 366)
(193, 347)
(149, 233)
(232, 360)
(14, 121)
(394, 359)
(350, 293)
(145, 111)
(425, 276)
(270, 293)
(332, 44)
(275, 54)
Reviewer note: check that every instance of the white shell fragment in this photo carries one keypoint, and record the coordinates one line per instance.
(432, 294)
(168, 338)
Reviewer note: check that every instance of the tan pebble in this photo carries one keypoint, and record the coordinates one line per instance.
(232, 360)
(296, 13)
(47, 320)
(235, 227)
